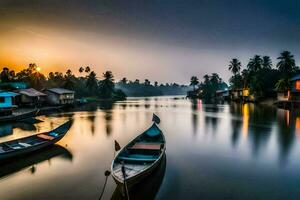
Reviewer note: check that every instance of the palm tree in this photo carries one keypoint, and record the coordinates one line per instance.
(267, 62)
(124, 80)
(81, 69)
(235, 66)
(108, 76)
(255, 63)
(286, 62)
(282, 85)
(91, 82)
(194, 81)
(87, 69)
(107, 85)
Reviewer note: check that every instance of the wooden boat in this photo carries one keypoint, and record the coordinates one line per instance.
(139, 158)
(32, 143)
(12, 166)
(146, 189)
(19, 116)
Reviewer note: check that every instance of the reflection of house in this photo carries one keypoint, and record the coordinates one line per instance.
(60, 96)
(31, 96)
(7, 102)
(222, 95)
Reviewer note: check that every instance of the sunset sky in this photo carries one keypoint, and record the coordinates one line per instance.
(164, 40)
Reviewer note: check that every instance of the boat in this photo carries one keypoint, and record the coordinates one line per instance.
(139, 158)
(148, 188)
(17, 147)
(19, 116)
(13, 166)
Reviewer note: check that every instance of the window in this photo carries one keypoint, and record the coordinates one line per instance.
(297, 85)
(2, 99)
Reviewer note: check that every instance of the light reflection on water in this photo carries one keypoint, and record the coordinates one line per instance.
(213, 151)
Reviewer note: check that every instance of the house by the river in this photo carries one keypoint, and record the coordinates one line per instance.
(60, 96)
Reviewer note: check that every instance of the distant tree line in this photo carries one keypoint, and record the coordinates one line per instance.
(85, 85)
(146, 88)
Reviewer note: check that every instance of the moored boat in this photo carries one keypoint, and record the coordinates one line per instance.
(139, 158)
(33, 143)
(18, 116)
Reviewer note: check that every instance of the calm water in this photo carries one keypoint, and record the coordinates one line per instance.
(213, 152)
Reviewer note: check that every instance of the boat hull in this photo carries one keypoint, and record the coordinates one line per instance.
(131, 182)
(63, 129)
(14, 154)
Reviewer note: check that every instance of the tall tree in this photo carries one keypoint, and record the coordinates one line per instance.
(147, 82)
(87, 69)
(255, 63)
(81, 69)
(282, 85)
(286, 64)
(91, 82)
(267, 62)
(124, 80)
(194, 82)
(107, 85)
(235, 66)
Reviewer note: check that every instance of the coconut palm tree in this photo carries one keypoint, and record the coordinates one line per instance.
(107, 85)
(255, 63)
(267, 62)
(286, 63)
(235, 66)
(282, 85)
(81, 69)
(194, 82)
(87, 69)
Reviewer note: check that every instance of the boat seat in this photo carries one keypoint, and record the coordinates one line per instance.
(2, 150)
(138, 157)
(53, 134)
(24, 144)
(46, 137)
(146, 146)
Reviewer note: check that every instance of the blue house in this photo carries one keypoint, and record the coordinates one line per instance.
(7, 100)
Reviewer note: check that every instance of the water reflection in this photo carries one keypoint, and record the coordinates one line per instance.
(7, 129)
(9, 167)
(240, 149)
(146, 190)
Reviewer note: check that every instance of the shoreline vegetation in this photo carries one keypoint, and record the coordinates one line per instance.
(259, 81)
(88, 85)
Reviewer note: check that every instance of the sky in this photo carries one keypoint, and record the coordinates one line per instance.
(163, 40)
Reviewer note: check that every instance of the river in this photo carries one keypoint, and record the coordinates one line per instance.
(228, 151)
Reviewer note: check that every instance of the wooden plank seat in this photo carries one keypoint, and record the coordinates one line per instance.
(46, 137)
(138, 157)
(146, 146)
(24, 144)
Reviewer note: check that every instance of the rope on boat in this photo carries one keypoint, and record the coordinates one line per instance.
(125, 184)
(106, 173)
